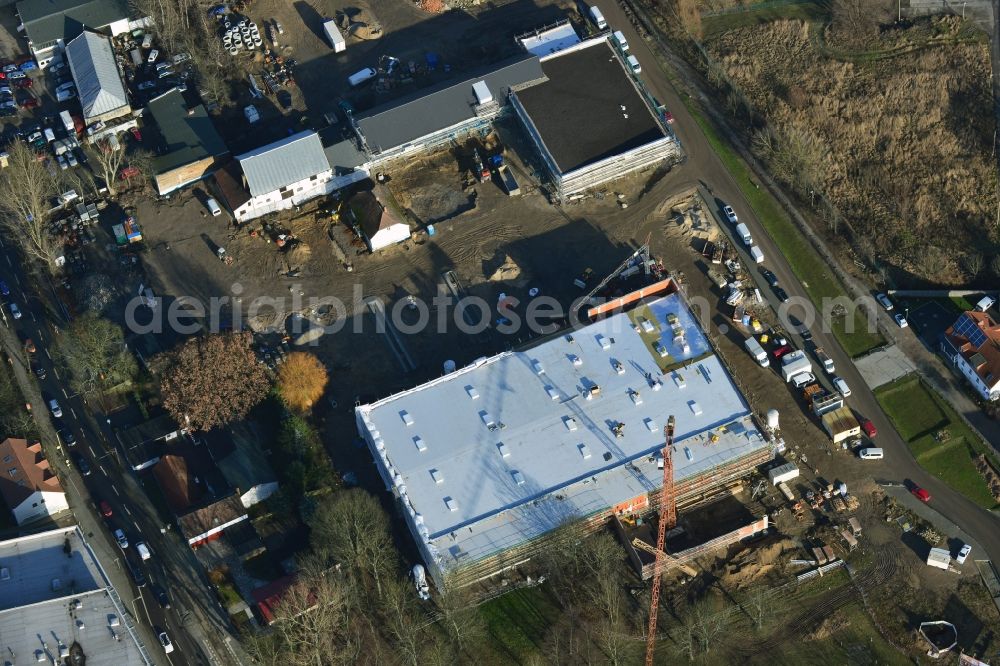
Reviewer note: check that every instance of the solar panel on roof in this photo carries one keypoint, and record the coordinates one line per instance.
(969, 329)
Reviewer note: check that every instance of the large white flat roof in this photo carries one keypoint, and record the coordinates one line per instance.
(35, 568)
(511, 429)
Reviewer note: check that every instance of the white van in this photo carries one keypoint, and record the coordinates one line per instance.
(143, 550)
(357, 78)
(213, 207)
(598, 18)
(619, 38)
(757, 254)
(756, 351)
(871, 454)
(633, 64)
(743, 232)
(841, 386)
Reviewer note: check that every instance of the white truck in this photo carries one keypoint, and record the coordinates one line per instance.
(795, 363)
(337, 41)
(598, 18)
(744, 233)
(67, 121)
(825, 360)
(756, 351)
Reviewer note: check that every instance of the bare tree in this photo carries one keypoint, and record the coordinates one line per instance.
(27, 188)
(108, 156)
(757, 604)
(460, 618)
(995, 265)
(311, 618)
(351, 528)
(974, 263)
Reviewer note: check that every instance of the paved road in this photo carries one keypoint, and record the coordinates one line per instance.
(130, 510)
(705, 167)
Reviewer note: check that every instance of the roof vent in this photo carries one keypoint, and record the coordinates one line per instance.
(437, 476)
(688, 454)
(407, 419)
(473, 393)
(695, 408)
(651, 424)
(451, 503)
(679, 380)
(553, 393)
(487, 419)
(584, 451)
(504, 451)
(537, 365)
(576, 360)
(636, 398)
(604, 342)
(518, 477)
(570, 423)
(418, 441)
(482, 91)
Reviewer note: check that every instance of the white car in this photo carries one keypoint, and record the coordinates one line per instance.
(251, 113)
(121, 539)
(15, 311)
(901, 320)
(65, 95)
(56, 409)
(168, 647)
(65, 86)
(730, 214)
(963, 554)
(884, 302)
(803, 380)
(153, 55)
(841, 386)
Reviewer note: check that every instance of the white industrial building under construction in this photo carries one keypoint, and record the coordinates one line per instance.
(490, 459)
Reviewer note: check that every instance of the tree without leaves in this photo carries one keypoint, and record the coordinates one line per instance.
(212, 380)
(27, 189)
(109, 156)
(93, 350)
(351, 528)
(301, 381)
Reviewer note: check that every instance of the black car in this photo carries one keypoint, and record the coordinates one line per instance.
(161, 596)
(781, 294)
(80, 462)
(67, 437)
(39, 370)
(771, 278)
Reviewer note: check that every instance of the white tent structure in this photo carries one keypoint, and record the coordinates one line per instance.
(98, 82)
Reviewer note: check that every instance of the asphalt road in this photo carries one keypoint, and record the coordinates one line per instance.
(104, 482)
(704, 167)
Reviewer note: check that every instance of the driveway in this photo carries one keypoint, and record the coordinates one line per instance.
(704, 166)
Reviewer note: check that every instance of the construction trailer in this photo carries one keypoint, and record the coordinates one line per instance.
(785, 472)
(939, 557)
(337, 41)
(840, 424)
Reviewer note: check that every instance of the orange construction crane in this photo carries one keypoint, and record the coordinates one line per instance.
(668, 518)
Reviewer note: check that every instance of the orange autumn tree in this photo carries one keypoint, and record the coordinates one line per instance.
(301, 381)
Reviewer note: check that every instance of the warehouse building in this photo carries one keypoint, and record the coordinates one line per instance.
(488, 461)
(98, 81)
(48, 24)
(188, 146)
(590, 121)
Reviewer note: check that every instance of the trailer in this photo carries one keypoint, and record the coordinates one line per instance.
(337, 41)
(939, 557)
(786, 491)
(840, 424)
(783, 473)
(508, 180)
(794, 363)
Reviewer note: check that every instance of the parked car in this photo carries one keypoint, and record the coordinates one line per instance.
(771, 278)
(105, 508)
(66, 436)
(23, 83)
(901, 320)
(56, 409)
(963, 554)
(153, 55)
(781, 294)
(38, 369)
(15, 312)
(71, 159)
(920, 494)
(161, 596)
(146, 85)
(16, 75)
(168, 647)
(803, 380)
(29, 103)
(121, 538)
(884, 302)
(668, 117)
(136, 134)
(65, 95)
(81, 462)
(869, 429)
(781, 351)
(730, 214)
(9, 67)
(841, 387)
(4, 289)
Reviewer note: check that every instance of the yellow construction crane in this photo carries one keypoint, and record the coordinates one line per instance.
(668, 518)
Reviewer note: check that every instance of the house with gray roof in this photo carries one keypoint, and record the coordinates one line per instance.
(49, 24)
(188, 145)
(278, 176)
(98, 81)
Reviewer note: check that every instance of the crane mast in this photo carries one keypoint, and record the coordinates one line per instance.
(668, 518)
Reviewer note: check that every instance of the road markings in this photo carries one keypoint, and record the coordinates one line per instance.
(48, 354)
(115, 488)
(65, 395)
(92, 451)
(17, 279)
(73, 413)
(11, 263)
(137, 528)
(127, 510)
(56, 372)
(101, 467)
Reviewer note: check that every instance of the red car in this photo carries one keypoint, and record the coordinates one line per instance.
(136, 134)
(869, 428)
(30, 103)
(105, 509)
(668, 118)
(781, 351)
(921, 494)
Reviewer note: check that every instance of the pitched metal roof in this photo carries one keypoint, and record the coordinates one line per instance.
(284, 162)
(92, 63)
(187, 133)
(415, 116)
(46, 21)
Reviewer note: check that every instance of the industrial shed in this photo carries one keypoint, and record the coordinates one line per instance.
(188, 145)
(98, 81)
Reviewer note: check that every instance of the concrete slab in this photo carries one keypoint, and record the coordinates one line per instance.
(884, 366)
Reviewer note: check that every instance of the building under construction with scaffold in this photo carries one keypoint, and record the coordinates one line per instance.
(489, 461)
